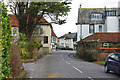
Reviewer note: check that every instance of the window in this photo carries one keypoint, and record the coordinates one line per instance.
(96, 16)
(91, 28)
(100, 28)
(45, 39)
(110, 13)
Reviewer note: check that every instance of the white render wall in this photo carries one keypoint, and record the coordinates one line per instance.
(69, 43)
(112, 24)
(46, 32)
(85, 30)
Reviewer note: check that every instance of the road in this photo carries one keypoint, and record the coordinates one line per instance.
(62, 64)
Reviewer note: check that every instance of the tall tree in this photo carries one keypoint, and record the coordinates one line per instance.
(27, 13)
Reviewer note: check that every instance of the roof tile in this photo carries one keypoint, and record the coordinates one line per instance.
(104, 37)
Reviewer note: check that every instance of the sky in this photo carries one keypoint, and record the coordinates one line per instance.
(70, 26)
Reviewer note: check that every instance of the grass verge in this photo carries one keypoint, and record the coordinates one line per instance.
(100, 62)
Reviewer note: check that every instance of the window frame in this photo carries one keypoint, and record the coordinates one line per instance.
(45, 38)
(101, 28)
(110, 13)
(93, 30)
(95, 16)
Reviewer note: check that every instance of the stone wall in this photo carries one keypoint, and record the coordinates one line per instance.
(88, 49)
(95, 48)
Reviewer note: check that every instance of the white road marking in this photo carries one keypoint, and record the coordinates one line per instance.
(90, 78)
(63, 59)
(77, 69)
(67, 62)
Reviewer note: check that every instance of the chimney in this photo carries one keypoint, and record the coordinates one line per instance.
(69, 32)
(119, 4)
(80, 6)
(119, 8)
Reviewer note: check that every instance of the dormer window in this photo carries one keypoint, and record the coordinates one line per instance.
(96, 16)
(110, 13)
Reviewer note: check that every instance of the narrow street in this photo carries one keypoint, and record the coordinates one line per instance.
(62, 64)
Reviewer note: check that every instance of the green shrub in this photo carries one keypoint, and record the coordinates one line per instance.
(86, 56)
(22, 37)
(23, 44)
(6, 43)
(27, 47)
(37, 44)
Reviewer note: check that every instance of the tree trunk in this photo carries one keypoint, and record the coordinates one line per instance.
(29, 32)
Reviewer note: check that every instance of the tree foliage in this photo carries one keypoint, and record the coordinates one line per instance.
(29, 13)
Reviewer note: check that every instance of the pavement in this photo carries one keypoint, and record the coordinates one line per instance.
(62, 64)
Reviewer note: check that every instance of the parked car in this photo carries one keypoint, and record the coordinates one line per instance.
(112, 63)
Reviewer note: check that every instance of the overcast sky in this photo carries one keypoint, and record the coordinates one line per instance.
(73, 14)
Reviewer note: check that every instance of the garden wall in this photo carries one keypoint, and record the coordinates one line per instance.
(94, 48)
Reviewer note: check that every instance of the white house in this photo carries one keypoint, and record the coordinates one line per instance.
(68, 41)
(43, 33)
(92, 20)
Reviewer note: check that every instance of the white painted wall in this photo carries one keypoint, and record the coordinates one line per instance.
(69, 43)
(112, 24)
(85, 30)
(47, 32)
(78, 33)
(97, 28)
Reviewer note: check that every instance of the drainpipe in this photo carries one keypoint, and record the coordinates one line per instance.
(105, 19)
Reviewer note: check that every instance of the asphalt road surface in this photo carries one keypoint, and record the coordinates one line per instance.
(62, 64)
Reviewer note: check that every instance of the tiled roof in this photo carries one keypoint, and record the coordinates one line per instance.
(53, 33)
(69, 35)
(43, 21)
(14, 21)
(84, 15)
(104, 37)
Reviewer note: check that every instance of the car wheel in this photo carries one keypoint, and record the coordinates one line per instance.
(106, 69)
